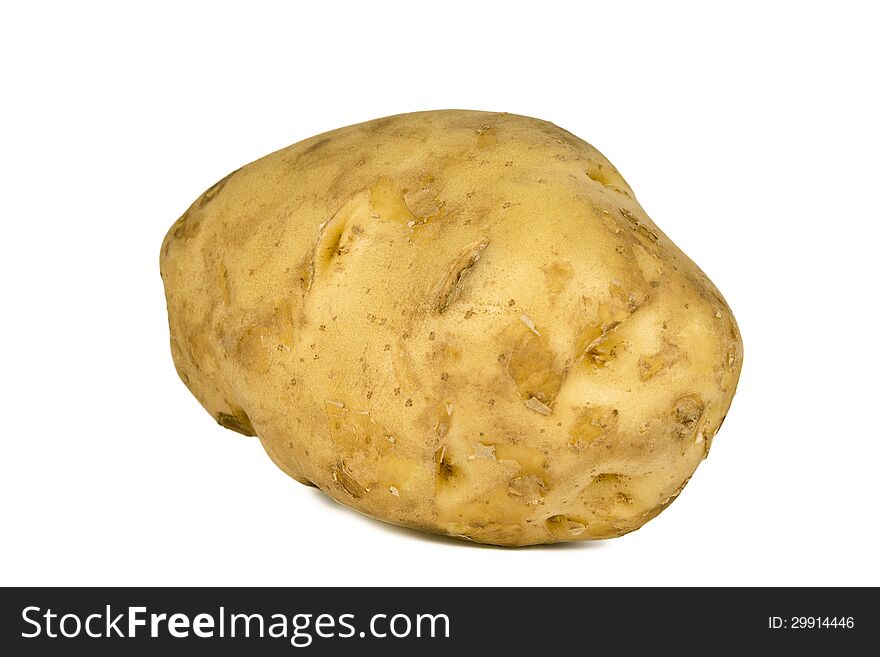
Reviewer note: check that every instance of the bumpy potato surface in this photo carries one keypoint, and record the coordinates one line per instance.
(458, 321)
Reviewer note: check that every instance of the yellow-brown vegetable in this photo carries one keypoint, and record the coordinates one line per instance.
(457, 321)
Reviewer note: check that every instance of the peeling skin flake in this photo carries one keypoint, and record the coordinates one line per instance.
(538, 406)
(482, 451)
(336, 403)
(525, 319)
(393, 490)
(451, 284)
(565, 525)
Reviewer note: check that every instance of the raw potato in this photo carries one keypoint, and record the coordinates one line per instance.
(457, 321)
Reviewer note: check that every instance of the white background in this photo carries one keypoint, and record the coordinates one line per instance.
(750, 135)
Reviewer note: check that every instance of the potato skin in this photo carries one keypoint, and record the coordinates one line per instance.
(457, 321)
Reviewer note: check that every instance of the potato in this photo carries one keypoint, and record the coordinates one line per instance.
(457, 321)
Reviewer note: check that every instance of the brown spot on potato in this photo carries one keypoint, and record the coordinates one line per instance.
(528, 489)
(590, 345)
(186, 228)
(651, 366)
(640, 227)
(239, 422)
(346, 481)
(223, 283)
(449, 288)
(530, 481)
(533, 366)
(211, 193)
(202, 353)
(607, 495)
(318, 145)
(593, 423)
(336, 237)
(557, 275)
(486, 137)
(425, 202)
(608, 176)
(251, 351)
(387, 201)
(444, 470)
(608, 479)
(594, 346)
(528, 458)
(563, 527)
(356, 434)
(687, 411)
